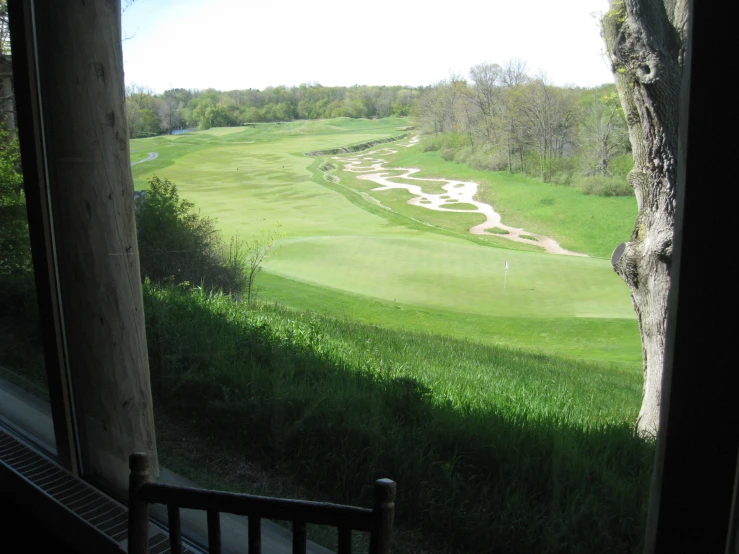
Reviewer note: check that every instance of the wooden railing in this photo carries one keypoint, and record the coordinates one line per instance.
(378, 521)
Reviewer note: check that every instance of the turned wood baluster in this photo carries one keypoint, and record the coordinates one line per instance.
(299, 538)
(138, 510)
(384, 512)
(345, 540)
(175, 529)
(214, 532)
(255, 535)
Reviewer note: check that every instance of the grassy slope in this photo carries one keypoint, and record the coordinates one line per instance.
(360, 253)
(601, 339)
(494, 449)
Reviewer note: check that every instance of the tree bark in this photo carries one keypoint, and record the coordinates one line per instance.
(91, 190)
(646, 44)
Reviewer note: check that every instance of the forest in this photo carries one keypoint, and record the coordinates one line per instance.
(152, 114)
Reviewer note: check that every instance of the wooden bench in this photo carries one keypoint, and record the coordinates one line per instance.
(378, 521)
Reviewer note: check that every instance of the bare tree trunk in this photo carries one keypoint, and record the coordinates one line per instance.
(95, 234)
(510, 167)
(520, 151)
(646, 43)
(604, 158)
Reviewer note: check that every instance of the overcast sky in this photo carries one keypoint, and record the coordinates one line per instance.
(238, 44)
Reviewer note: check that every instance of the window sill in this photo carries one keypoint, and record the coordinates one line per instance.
(30, 417)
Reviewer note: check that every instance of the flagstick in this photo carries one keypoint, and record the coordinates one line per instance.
(505, 275)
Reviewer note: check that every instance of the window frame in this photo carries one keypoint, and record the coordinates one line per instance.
(35, 177)
(698, 409)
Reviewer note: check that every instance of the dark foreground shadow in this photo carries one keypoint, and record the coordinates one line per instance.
(476, 477)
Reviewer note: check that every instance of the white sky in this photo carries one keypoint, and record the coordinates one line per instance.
(238, 44)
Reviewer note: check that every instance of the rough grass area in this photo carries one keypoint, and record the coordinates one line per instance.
(493, 449)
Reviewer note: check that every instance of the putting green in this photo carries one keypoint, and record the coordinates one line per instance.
(255, 178)
(449, 274)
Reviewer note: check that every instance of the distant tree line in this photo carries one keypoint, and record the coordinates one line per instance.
(152, 114)
(503, 119)
(499, 118)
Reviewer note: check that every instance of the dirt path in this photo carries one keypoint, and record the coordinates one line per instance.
(373, 169)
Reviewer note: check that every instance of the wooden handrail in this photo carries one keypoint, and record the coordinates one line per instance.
(319, 513)
(378, 521)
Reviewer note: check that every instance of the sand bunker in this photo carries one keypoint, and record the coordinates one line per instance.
(373, 169)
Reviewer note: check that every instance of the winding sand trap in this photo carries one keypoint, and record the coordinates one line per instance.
(457, 192)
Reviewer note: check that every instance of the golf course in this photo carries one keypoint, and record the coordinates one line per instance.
(459, 331)
(350, 249)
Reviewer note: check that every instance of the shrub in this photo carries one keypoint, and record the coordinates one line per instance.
(621, 165)
(20, 333)
(447, 153)
(430, 144)
(463, 154)
(563, 171)
(16, 269)
(442, 141)
(563, 177)
(178, 243)
(486, 161)
(599, 185)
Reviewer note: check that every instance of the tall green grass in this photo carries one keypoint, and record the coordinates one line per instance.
(493, 449)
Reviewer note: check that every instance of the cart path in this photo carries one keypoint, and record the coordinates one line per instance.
(152, 156)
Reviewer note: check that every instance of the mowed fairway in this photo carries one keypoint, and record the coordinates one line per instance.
(342, 254)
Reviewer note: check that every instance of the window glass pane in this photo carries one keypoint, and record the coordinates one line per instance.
(410, 281)
(24, 398)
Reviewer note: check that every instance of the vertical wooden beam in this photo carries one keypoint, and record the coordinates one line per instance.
(384, 513)
(91, 190)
